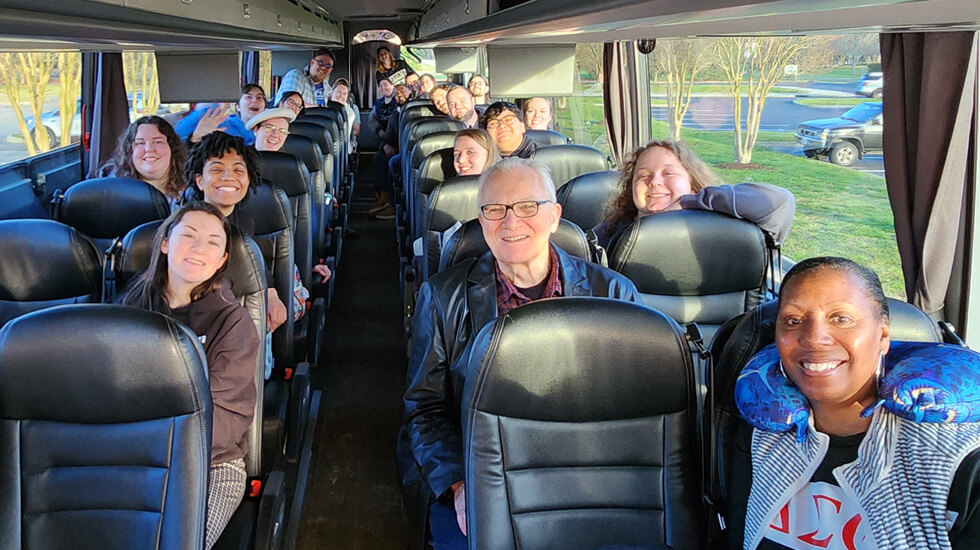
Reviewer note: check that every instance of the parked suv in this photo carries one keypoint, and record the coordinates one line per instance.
(843, 139)
(870, 85)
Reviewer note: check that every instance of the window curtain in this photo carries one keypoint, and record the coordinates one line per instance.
(250, 68)
(928, 102)
(110, 113)
(626, 110)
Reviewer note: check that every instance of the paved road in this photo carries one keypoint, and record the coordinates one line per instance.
(779, 114)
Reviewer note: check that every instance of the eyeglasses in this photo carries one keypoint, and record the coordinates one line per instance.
(323, 64)
(508, 120)
(271, 128)
(293, 103)
(254, 97)
(522, 209)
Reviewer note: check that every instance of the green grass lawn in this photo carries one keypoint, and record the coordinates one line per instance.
(839, 212)
(833, 101)
(837, 74)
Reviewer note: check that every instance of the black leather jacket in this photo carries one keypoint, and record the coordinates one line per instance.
(452, 307)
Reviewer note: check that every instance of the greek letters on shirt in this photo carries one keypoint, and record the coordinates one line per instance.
(821, 516)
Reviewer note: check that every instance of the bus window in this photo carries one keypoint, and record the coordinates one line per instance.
(422, 61)
(142, 86)
(265, 71)
(580, 116)
(39, 102)
(802, 137)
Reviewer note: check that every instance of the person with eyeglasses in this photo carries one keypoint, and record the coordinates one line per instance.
(312, 81)
(210, 117)
(504, 122)
(293, 101)
(271, 128)
(518, 212)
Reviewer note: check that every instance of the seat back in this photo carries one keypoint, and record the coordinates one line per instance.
(583, 199)
(578, 429)
(417, 102)
(246, 272)
(269, 208)
(452, 201)
(413, 111)
(741, 338)
(414, 130)
(695, 266)
(112, 449)
(435, 169)
(468, 242)
(546, 138)
(107, 208)
(423, 147)
(308, 151)
(43, 264)
(569, 161)
(322, 135)
(289, 174)
(334, 125)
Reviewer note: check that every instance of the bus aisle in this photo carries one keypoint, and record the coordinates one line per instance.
(353, 500)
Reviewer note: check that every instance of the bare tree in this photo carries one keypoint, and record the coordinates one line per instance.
(680, 61)
(28, 73)
(752, 66)
(140, 73)
(70, 83)
(588, 58)
(817, 54)
(855, 46)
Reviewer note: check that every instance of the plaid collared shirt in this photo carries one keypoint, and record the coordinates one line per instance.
(298, 80)
(510, 297)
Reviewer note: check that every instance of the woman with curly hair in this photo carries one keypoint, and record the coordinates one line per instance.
(151, 151)
(667, 175)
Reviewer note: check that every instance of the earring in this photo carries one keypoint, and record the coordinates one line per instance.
(881, 368)
(782, 370)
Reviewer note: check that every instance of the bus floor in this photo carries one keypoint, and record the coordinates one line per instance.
(353, 498)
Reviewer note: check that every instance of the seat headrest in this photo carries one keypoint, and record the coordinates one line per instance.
(583, 199)
(579, 360)
(105, 208)
(435, 169)
(691, 253)
(43, 260)
(419, 110)
(453, 200)
(269, 207)
(285, 171)
(108, 364)
(245, 271)
(327, 110)
(427, 125)
(318, 133)
(568, 161)
(429, 143)
(468, 242)
(420, 102)
(546, 138)
(305, 149)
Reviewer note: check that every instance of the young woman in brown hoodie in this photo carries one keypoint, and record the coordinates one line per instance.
(183, 280)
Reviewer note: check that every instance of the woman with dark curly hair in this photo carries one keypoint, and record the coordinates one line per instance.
(151, 151)
(667, 175)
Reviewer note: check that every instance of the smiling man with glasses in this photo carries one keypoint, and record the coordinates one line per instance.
(503, 121)
(271, 128)
(312, 81)
(518, 214)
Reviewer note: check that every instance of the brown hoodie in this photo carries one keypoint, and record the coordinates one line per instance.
(230, 342)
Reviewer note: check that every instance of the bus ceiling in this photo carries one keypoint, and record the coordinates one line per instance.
(461, 22)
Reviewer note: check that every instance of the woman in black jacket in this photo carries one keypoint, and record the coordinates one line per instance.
(391, 69)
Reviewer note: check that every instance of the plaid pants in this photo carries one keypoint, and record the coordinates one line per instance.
(226, 487)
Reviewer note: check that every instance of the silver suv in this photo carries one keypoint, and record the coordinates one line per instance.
(871, 85)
